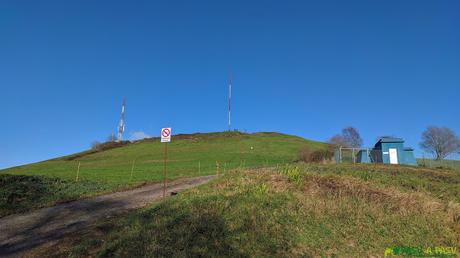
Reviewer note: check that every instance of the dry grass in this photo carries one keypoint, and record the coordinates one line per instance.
(440, 184)
(388, 198)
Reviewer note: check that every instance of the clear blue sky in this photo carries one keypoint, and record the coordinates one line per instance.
(307, 68)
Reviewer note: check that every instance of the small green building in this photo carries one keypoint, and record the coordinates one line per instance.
(388, 150)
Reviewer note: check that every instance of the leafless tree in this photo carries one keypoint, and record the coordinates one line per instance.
(440, 141)
(348, 138)
(338, 141)
(458, 146)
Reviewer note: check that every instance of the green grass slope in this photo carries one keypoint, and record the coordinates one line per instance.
(291, 211)
(19, 193)
(109, 170)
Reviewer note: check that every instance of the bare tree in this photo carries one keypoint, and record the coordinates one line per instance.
(440, 141)
(458, 146)
(352, 136)
(348, 138)
(338, 141)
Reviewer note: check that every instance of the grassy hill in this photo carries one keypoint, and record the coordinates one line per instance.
(291, 211)
(45, 183)
(264, 205)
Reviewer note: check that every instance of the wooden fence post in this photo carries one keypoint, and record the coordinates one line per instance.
(132, 170)
(78, 171)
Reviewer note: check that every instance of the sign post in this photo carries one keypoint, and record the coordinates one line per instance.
(165, 138)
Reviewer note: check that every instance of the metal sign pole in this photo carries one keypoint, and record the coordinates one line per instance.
(165, 138)
(165, 169)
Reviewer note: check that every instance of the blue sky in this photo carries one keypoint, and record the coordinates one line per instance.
(307, 68)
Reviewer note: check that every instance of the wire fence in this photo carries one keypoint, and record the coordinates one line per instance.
(354, 155)
(432, 163)
(366, 155)
(140, 170)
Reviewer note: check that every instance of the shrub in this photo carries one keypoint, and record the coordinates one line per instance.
(97, 146)
(317, 156)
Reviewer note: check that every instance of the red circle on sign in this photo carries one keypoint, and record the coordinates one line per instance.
(166, 132)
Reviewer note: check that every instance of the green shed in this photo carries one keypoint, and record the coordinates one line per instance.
(391, 150)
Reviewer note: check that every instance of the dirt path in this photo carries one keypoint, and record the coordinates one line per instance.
(22, 233)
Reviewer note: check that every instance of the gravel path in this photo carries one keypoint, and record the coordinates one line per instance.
(22, 233)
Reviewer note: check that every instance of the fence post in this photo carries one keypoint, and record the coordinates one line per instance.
(217, 167)
(78, 171)
(367, 153)
(132, 170)
(353, 155)
(199, 167)
(340, 155)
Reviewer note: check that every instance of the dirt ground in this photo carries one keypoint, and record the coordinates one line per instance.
(20, 234)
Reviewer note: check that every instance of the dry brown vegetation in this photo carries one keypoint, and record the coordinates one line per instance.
(316, 156)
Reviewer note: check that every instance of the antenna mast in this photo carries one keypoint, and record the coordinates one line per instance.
(230, 103)
(121, 125)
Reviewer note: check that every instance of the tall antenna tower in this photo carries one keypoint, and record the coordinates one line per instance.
(121, 125)
(230, 103)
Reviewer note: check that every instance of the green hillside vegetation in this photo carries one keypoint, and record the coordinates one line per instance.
(19, 193)
(110, 170)
(289, 211)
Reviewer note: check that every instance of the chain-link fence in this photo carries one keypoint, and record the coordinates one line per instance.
(365, 155)
(354, 155)
(433, 163)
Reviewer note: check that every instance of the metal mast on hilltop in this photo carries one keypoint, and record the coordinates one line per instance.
(121, 125)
